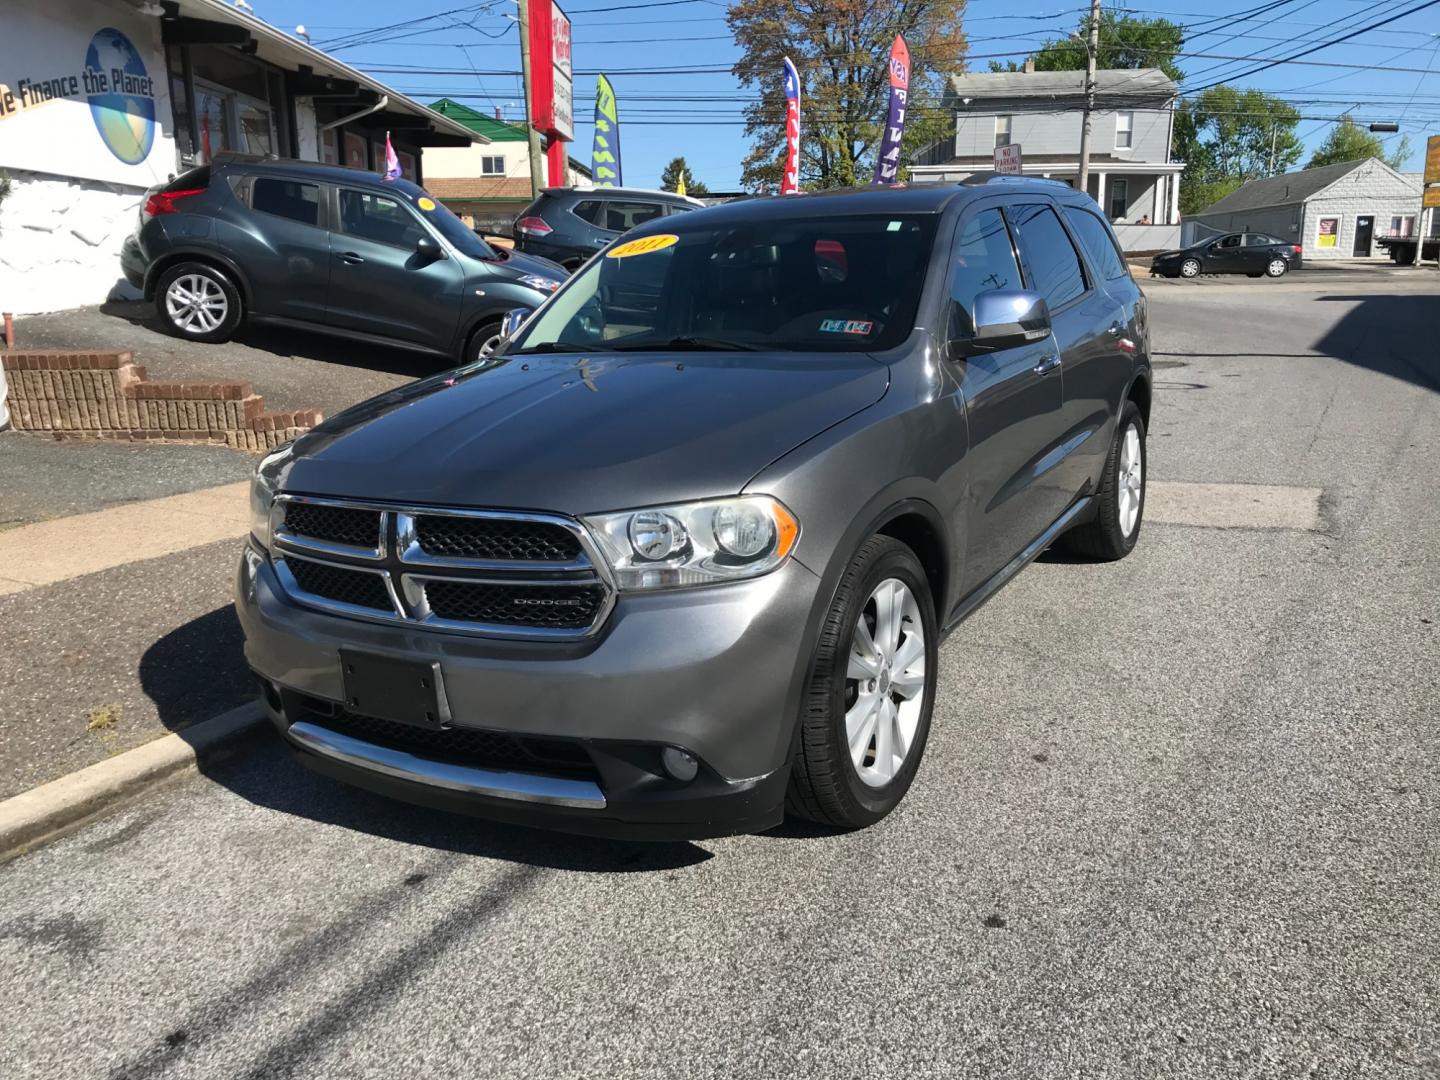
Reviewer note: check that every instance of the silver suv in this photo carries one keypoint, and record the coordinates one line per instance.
(680, 556)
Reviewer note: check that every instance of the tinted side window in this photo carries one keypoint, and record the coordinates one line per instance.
(1095, 239)
(982, 261)
(624, 216)
(287, 199)
(587, 210)
(1230, 241)
(1049, 256)
(379, 218)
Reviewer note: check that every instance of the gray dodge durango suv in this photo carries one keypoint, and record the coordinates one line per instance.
(680, 555)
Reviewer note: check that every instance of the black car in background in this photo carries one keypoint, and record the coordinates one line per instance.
(324, 248)
(1249, 253)
(569, 224)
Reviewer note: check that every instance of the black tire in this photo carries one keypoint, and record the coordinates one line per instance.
(1191, 268)
(213, 283)
(1277, 268)
(825, 786)
(1103, 537)
(485, 332)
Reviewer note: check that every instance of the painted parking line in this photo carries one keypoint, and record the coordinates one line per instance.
(1233, 506)
(51, 551)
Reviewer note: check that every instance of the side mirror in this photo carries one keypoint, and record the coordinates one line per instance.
(427, 248)
(513, 320)
(1005, 319)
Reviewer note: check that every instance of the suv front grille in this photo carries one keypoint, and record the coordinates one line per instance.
(554, 606)
(349, 525)
(484, 572)
(496, 539)
(342, 584)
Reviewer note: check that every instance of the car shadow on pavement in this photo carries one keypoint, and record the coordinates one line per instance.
(1405, 351)
(198, 671)
(289, 341)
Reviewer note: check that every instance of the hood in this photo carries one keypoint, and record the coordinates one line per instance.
(516, 264)
(582, 435)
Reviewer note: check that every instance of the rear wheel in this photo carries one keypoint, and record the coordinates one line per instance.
(1276, 268)
(866, 712)
(1115, 528)
(1190, 268)
(196, 301)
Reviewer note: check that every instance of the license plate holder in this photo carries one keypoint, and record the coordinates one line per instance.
(405, 691)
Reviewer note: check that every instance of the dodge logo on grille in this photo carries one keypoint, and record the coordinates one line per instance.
(532, 602)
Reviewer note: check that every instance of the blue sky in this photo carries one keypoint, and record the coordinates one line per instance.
(481, 41)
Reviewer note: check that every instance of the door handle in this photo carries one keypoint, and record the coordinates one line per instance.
(351, 258)
(1047, 364)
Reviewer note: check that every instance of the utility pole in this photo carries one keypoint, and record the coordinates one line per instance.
(537, 165)
(1092, 48)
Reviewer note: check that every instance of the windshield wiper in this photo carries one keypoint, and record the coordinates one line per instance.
(553, 347)
(688, 341)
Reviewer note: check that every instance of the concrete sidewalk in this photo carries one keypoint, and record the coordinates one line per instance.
(119, 629)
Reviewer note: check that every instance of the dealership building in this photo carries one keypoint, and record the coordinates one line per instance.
(102, 99)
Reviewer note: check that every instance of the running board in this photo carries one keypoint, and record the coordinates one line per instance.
(986, 590)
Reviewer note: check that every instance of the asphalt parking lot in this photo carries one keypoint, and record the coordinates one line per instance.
(1178, 818)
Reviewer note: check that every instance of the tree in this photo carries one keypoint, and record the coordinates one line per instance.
(1126, 41)
(1227, 137)
(840, 48)
(1346, 142)
(670, 178)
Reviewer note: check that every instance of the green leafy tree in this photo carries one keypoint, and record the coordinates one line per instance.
(1227, 137)
(1347, 142)
(840, 48)
(1126, 41)
(670, 178)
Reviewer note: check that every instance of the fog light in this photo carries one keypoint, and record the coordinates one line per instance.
(680, 764)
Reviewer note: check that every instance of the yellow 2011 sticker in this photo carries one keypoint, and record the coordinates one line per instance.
(644, 246)
(424, 203)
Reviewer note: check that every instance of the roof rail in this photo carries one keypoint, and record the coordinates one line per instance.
(979, 179)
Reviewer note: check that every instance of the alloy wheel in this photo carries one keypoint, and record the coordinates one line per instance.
(487, 345)
(1130, 486)
(885, 683)
(196, 304)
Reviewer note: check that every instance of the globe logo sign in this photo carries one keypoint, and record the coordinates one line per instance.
(124, 112)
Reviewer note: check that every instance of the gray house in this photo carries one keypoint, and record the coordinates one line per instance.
(1332, 212)
(1132, 176)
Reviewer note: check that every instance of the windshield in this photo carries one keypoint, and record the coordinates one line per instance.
(825, 283)
(451, 227)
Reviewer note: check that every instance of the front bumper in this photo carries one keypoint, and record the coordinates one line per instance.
(715, 671)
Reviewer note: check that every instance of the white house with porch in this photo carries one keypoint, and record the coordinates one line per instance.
(1132, 176)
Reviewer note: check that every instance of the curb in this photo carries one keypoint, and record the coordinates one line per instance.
(34, 818)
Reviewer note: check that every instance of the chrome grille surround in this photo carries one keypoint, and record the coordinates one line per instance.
(405, 567)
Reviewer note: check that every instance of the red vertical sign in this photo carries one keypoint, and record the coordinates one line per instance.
(790, 181)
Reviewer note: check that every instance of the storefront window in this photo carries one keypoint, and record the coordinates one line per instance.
(232, 106)
(256, 136)
(355, 151)
(212, 116)
(180, 102)
(329, 147)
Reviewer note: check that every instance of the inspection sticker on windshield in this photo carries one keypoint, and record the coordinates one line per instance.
(424, 203)
(846, 326)
(644, 246)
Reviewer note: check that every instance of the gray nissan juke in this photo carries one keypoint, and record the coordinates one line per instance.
(679, 556)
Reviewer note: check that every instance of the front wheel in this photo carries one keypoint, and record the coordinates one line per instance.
(1115, 528)
(1276, 268)
(866, 712)
(197, 301)
(485, 340)
(1190, 268)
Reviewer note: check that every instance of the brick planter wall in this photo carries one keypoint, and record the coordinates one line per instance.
(105, 395)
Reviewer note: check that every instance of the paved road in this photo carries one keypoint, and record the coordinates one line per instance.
(1179, 819)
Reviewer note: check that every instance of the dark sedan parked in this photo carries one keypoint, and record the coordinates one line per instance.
(1249, 253)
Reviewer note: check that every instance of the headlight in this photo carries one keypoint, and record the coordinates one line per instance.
(541, 284)
(696, 543)
(263, 488)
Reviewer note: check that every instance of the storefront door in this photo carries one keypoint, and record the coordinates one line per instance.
(1364, 231)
